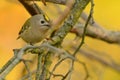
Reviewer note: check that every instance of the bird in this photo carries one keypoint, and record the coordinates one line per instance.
(35, 29)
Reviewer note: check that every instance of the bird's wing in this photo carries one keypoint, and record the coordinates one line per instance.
(24, 28)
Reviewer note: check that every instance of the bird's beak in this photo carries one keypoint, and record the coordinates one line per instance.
(48, 25)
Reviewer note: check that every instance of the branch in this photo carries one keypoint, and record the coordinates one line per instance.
(63, 2)
(31, 7)
(98, 32)
(39, 66)
(19, 55)
(12, 62)
(70, 21)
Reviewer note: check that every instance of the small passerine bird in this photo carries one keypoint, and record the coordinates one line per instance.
(35, 29)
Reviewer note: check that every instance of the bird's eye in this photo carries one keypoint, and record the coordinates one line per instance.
(42, 22)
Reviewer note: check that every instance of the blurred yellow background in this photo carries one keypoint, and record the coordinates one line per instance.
(13, 16)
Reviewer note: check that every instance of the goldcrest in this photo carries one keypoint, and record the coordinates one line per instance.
(35, 29)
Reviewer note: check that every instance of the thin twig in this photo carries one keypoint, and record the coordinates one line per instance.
(86, 70)
(66, 75)
(85, 28)
(55, 75)
(56, 65)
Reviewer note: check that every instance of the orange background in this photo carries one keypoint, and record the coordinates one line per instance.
(13, 15)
